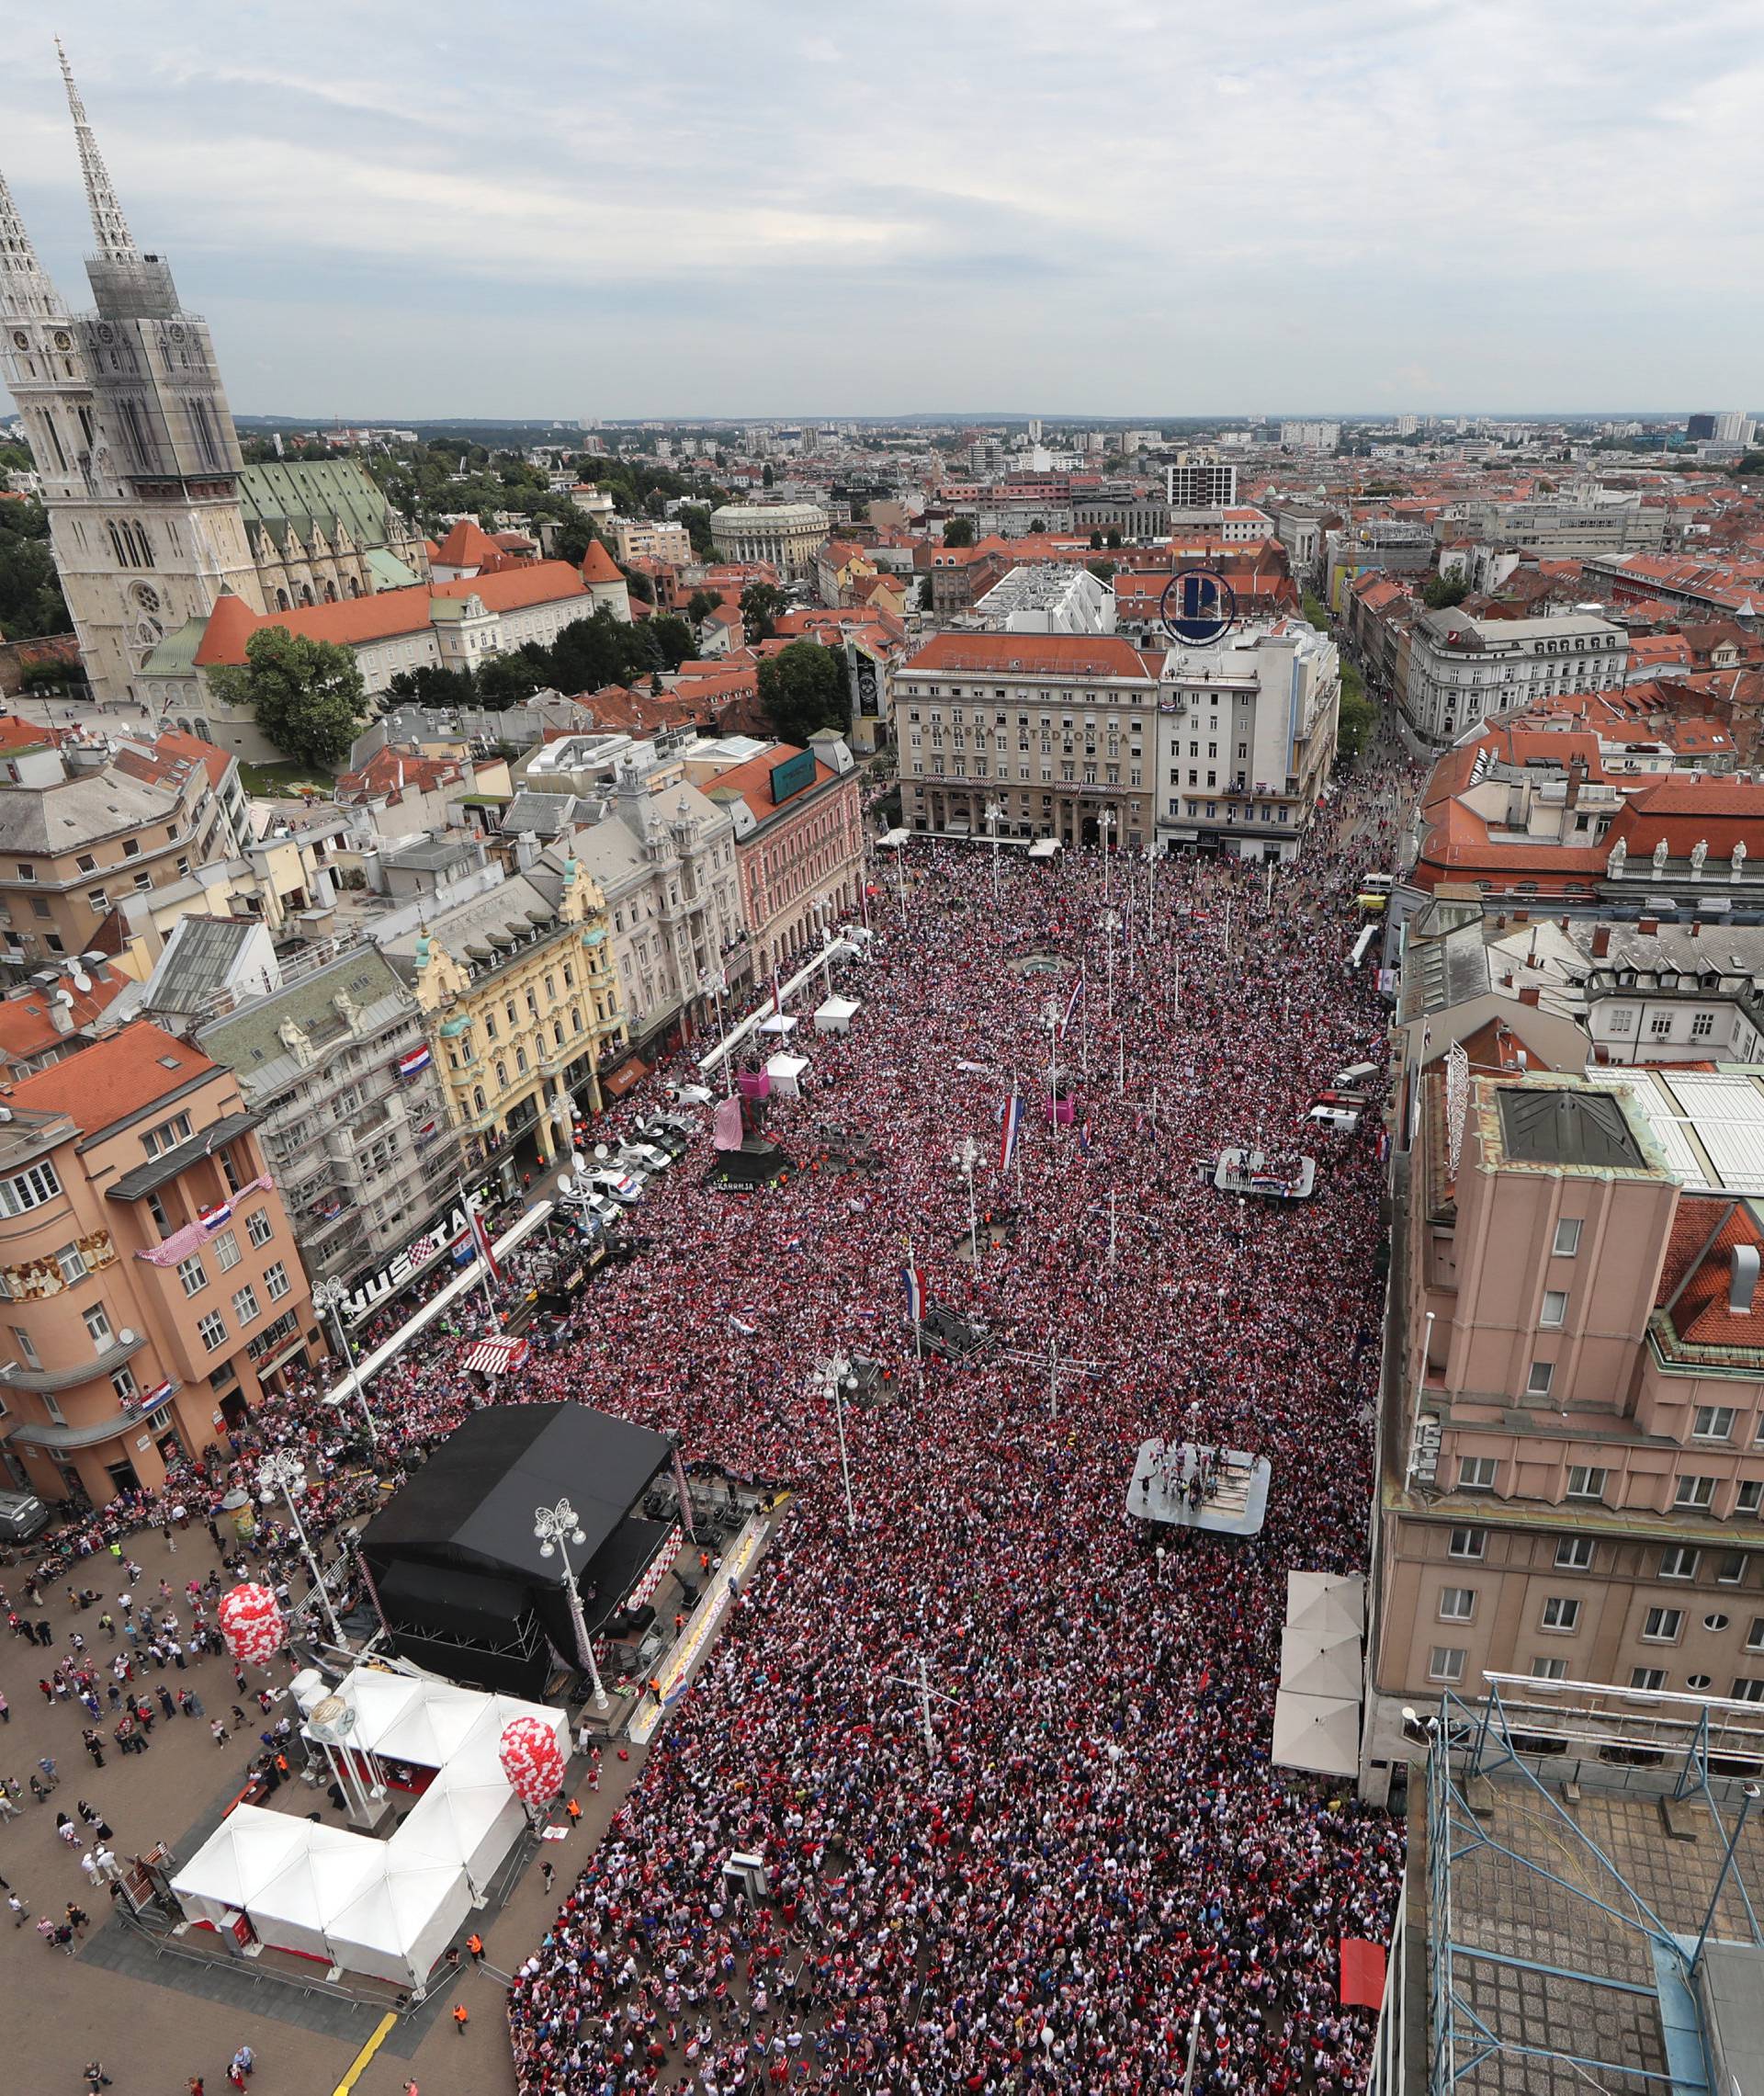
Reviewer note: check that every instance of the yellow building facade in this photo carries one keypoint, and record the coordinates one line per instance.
(521, 1004)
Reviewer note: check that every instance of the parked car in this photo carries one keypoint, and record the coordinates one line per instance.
(663, 1134)
(22, 1515)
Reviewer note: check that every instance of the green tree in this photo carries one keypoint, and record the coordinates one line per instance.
(308, 696)
(509, 680)
(1037, 525)
(674, 637)
(803, 688)
(696, 517)
(432, 686)
(1096, 542)
(700, 605)
(1102, 570)
(573, 537)
(1115, 542)
(591, 652)
(959, 531)
(1439, 592)
(760, 604)
(1358, 716)
(639, 584)
(767, 477)
(30, 591)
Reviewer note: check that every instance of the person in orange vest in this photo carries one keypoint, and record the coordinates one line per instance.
(475, 1945)
(574, 1811)
(461, 2017)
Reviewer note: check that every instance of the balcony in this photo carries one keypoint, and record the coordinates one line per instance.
(14, 1376)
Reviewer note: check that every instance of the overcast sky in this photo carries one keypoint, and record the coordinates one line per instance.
(761, 208)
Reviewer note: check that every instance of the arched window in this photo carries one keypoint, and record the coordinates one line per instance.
(305, 592)
(281, 600)
(520, 1062)
(478, 1098)
(355, 587)
(502, 1076)
(329, 593)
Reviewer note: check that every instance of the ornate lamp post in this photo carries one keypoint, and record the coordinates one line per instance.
(329, 1297)
(555, 1528)
(285, 1473)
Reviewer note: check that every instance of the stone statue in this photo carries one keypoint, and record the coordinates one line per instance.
(1699, 852)
(1659, 856)
(1614, 863)
(1739, 860)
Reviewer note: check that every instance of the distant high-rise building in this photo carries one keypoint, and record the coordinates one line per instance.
(1035, 429)
(1310, 436)
(1733, 427)
(1406, 424)
(1700, 428)
(1199, 482)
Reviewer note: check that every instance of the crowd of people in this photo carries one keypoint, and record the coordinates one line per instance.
(1074, 1853)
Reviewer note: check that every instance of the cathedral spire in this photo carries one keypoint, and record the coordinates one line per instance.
(116, 243)
(25, 290)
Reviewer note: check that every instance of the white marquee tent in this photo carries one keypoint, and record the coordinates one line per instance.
(836, 1015)
(787, 1074)
(1320, 1733)
(1328, 1664)
(246, 1852)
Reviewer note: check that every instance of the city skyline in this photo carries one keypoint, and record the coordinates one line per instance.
(1385, 210)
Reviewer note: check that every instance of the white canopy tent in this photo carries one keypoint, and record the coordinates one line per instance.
(836, 1015)
(781, 1023)
(786, 1073)
(1043, 847)
(1319, 1733)
(473, 1824)
(333, 1867)
(1313, 1665)
(246, 1852)
(1326, 1601)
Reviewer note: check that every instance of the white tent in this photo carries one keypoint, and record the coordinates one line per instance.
(332, 1867)
(474, 1824)
(1311, 1664)
(428, 1729)
(1043, 847)
(1325, 1601)
(248, 1849)
(779, 1022)
(398, 1926)
(836, 1015)
(379, 1700)
(787, 1074)
(1320, 1733)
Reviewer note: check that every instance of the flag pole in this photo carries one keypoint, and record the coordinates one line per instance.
(480, 1252)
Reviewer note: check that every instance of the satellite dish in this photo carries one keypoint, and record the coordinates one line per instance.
(64, 997)
(126, 1335)
(579, 1161)
(82, 981)
(599, 1152)
(565, 1184)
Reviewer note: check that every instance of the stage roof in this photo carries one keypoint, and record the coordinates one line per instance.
(472, 1503)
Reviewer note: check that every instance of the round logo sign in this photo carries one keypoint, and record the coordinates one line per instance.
(1197, 607)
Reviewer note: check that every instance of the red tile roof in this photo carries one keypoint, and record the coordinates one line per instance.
(468, 545)
(1051, 654)
(25, 1028)
(112, 1078)
(753, 780)
(1699, 1257)
(356, 621)
(598, 566)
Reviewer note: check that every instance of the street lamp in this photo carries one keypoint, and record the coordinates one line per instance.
(965, 1157)
(329, 1297)
(556, 1526)
(281, 1472)
(1050, 1018)
(713, 986)
(576, 1195)
(838, 1377)
(1104, 825)
(994, 816)
(1111, 924)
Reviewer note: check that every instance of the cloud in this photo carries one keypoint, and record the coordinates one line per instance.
(762, 210)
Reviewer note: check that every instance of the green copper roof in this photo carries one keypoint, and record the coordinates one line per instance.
(176, 654)
(388, 571)
(329, 494)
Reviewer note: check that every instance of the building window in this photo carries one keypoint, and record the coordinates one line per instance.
(1716, 1621)
(1748, 1689)
(1662, 1625)
(245, 1305)
(1702, 1025)
(1587, 1481)
(1574, 1553)
(1567, 1237)
(1469, 1543)
(1712, 1423)
(192, 1275)
(1561, 1612)
(166, 1135)
(225, 1246)
(71, 1263)
(123, 1383)
(1549, 1670)
(21, 1338)
(1678, 1561)
(1755, 1636)
(1445, 1663)
(1694, 1492)
(1649, 1680)
(161, 1222)
(1457, 1605)
(27, 1190)
(1537, 1383)
(258, 1227)
(1555, 1308)
(213, 1329)
(275, 1282)
(1477, 1473)
(97, 1327)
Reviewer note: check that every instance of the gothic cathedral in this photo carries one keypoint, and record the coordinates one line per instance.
(152, 512)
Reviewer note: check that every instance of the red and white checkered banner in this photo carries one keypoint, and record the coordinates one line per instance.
(494, 1357)
(661, 1565)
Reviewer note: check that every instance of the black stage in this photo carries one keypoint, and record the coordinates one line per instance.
(456, 1566)
(739, 1170)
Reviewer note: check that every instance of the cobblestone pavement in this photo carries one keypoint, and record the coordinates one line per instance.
(154, 2021)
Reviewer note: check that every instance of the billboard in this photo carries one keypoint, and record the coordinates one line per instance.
(793, 775)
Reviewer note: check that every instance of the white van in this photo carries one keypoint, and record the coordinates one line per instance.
(620, 1187)
(1342, 1120)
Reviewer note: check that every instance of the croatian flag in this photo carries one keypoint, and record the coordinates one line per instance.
(418, 1059)
(213, 1219)
(1084, 1136)
(480, 1238)
(912, 1281)
(1012, 1122)
(158, 1394)
(1077, 991)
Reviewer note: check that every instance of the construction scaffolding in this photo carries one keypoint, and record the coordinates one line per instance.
(1594, 1864)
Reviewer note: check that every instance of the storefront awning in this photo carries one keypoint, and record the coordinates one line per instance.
(617, 1083)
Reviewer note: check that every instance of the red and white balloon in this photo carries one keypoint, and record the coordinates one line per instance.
(252, 1624)
(532, 1761)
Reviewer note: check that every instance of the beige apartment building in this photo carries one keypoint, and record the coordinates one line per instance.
(1058, 732)
(82, 829)
(150, 1287)
(1572, 1454)
(641, 538)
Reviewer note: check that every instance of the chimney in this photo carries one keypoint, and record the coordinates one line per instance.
(1601, 941)
(1500, 921)
(1648, 928)
(1742, 1279)
(1530, 994)
(1696, 927)
(1521, 916)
